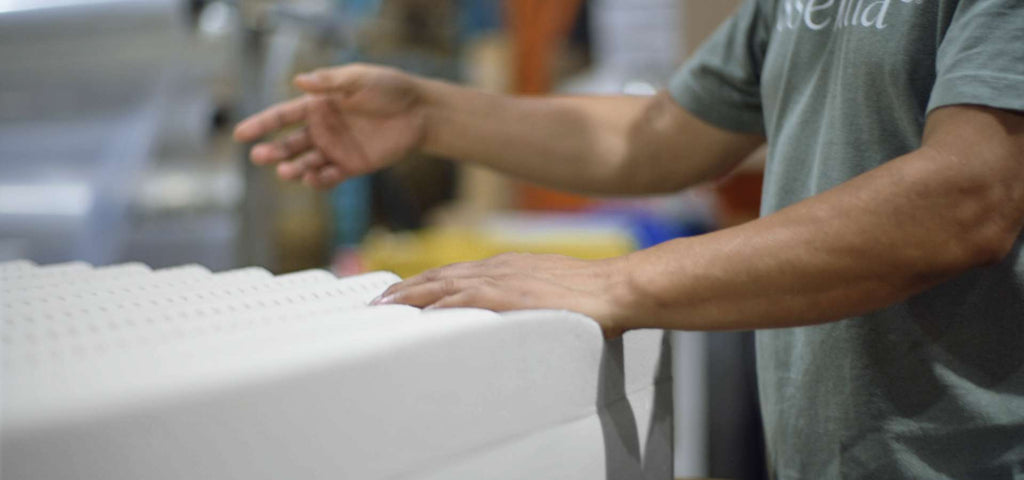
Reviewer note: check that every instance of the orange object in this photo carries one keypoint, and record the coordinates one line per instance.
(532, 197)
(537, 28)
(739, 198)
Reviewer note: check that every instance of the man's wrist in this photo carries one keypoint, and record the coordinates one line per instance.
(625, 298)
(438, 100)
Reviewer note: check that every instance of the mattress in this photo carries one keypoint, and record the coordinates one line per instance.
(123, 372)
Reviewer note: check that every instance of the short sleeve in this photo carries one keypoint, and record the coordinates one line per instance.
(981, 57)
(721, 84)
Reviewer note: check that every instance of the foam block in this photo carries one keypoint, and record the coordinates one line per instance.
(126, 373)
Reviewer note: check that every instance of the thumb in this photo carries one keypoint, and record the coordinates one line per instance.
(330, 80)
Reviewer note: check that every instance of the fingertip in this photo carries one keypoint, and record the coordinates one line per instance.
(304, 81)
(436, 305)
(330, 175)
(239, 133)
(390, 290)
(287, 171)
(309, 179)
(315, 81)
(444, 302)
(264, 153)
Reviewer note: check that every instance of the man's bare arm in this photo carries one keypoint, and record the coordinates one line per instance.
(358, 118)
(952, 205)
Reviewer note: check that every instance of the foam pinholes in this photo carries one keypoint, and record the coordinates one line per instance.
(234, 367)
(100, 311)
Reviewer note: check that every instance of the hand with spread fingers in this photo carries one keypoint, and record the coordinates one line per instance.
(515, 281)
(353, 120)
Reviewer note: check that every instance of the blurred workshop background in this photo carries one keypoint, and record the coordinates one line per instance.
(115, 120)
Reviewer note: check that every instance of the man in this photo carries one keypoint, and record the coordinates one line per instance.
(891, 228)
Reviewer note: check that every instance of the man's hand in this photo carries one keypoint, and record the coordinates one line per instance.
(354, 119)
(514, 281)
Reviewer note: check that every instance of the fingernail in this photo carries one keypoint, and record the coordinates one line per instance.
(382, 300)
(306, 77)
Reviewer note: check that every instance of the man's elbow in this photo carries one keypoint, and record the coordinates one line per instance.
(954, 254)
(990, 247)
(990, 238)
(981, 151)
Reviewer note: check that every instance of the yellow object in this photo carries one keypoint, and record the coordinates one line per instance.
(408, 254)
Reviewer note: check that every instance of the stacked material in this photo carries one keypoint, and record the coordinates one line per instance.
(123, 372)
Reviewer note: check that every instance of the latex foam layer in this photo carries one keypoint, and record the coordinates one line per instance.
(123, 372)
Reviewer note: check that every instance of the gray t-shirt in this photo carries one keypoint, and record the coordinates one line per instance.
(928, 388)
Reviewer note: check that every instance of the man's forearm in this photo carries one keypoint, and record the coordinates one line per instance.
(597, 144)
(569, 143)
(877, 239)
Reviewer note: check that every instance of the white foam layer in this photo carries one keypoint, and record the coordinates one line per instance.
(244, 375)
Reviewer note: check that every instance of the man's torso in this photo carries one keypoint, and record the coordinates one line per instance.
(929, 388)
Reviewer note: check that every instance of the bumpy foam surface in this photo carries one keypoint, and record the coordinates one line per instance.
(123, 372)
